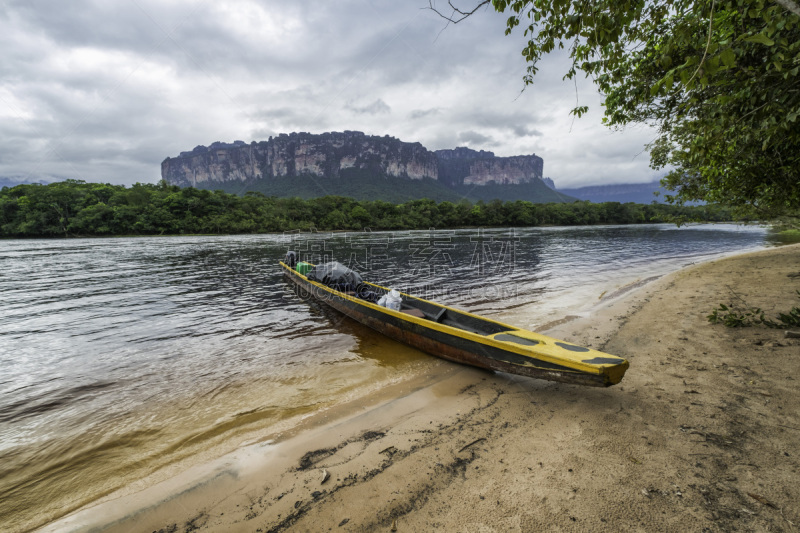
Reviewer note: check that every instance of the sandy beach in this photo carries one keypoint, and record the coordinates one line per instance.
(703, 434)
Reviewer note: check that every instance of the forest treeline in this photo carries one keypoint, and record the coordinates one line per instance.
(75, 208)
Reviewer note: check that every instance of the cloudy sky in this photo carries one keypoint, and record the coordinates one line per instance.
(104, 90)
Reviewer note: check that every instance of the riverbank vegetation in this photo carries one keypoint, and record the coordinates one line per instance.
(74, 208)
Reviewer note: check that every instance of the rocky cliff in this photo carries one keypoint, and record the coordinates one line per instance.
(329, 155)
(299, 154)
(462, 166)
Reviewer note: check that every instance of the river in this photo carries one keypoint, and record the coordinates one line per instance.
(121, 357)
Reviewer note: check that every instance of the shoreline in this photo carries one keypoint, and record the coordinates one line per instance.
(792, 236)
(465, 449)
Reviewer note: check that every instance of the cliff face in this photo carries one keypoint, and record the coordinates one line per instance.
(462, 166)
(298, 154)
(327, 154)
(505, 170)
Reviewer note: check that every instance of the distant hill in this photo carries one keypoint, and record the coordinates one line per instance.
(640, 193)
(13, 182)
(535, 191)
(359, 166)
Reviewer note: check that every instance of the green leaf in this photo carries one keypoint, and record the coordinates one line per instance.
(655, 88)
(728, 57)
(760, 39)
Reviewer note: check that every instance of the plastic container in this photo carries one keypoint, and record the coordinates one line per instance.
(304, 268)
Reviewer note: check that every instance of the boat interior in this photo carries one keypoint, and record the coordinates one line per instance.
(449, 317)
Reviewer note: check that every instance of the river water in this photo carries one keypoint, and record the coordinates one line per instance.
(123, 356)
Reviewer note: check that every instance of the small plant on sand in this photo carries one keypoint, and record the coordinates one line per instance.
(733, 318)
(737, 317)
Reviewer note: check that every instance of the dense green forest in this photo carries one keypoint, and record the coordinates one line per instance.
(75, 208)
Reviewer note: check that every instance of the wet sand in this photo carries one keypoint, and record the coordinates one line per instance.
(703, 434)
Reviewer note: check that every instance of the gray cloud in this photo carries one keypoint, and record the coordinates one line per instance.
(375, 108)
(104, 90)
(422, 113)
(475, 139)
(525, 131)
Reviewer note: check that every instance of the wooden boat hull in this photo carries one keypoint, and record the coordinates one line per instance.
(498, 347)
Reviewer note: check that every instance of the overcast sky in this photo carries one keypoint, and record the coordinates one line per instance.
(104, 90)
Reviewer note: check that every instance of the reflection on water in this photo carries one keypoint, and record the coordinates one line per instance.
(121, 356)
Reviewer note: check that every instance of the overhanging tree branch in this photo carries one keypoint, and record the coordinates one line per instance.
(456, 11)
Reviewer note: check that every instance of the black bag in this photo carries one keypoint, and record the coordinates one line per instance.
(336, 276)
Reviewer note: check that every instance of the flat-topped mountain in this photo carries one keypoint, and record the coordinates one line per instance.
(351, 163)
